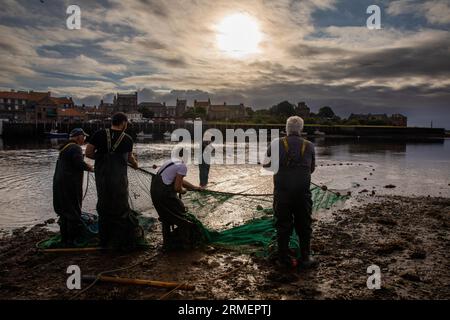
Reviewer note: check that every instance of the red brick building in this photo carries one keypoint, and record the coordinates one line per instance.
(46, 109)
(13, 104)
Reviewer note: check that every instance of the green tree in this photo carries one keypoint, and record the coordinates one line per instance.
(326, 112)
(200, 111)
(285, 109)
(189, 114)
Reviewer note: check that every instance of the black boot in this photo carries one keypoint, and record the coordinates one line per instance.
(285, 260)
(167, 237)
(306, 260)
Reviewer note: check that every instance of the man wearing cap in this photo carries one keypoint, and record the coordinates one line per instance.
(68, 187)
(112, 151)
(292, 202)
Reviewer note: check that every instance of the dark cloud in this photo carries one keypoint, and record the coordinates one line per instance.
(426, 59)
(305, 50)
(178, 62)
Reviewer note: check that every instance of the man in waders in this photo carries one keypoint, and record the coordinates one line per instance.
(205, 163)
(292, 196)
(112, 151)
(68, 187)
(166, 184)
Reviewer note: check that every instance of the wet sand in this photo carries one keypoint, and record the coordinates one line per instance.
(408, 238)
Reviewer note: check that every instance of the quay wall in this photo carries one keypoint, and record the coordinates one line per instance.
(31, 130)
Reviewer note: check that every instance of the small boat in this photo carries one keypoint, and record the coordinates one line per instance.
(142, 135)
(54, 134)
(167, 135)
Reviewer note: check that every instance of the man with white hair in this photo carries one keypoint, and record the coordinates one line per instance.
(292, 196)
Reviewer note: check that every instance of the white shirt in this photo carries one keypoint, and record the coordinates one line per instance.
(169, 174)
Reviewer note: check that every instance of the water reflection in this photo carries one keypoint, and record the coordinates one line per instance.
(332, 145)
(420, 168)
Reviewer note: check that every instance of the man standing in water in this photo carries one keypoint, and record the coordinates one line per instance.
(112, 151)
(68, 187)
(292, 196)
(205, 163)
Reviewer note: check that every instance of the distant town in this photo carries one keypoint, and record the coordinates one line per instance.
(43, 107)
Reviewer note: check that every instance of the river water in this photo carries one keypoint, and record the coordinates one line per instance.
(344, 164)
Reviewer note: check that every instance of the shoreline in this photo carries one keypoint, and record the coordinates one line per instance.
(27, 130)
(407, 237)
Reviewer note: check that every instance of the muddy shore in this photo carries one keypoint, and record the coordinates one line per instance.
(408, 238)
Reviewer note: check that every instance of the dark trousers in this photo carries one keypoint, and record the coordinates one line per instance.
(204, 173)
(290, 215)
(71, 229)
(172, 213)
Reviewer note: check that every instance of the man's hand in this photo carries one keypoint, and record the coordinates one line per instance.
(90, 168)
(194, 188)
(133, 162)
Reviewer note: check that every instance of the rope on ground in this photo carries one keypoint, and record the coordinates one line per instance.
(168, 294)
(97, 278)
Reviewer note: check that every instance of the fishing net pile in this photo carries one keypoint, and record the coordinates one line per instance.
(240, 221)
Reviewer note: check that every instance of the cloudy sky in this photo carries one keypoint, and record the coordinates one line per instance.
(318, 51)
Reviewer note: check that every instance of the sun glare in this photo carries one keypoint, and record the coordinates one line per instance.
(238, 35)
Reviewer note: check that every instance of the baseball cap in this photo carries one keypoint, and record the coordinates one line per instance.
(78, 132)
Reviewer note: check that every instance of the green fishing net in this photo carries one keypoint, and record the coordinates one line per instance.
(238, 221)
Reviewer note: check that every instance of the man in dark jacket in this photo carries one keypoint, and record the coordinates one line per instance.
(68, 187)
(112, 151)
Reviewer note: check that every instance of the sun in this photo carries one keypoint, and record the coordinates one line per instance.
(238, 35)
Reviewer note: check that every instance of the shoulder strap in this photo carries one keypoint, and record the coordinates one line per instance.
(66, 146)
(305, 143)
(302, 149)
(119, 140)
(285, 144)
(108, 139)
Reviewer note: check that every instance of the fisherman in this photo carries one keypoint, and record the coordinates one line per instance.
(168, 181)
(292, 196)
(112, 150)
(68, 187)
(205, 163)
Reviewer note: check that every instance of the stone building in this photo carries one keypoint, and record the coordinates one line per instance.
(13, 104)
(71, 115)
(223, 111)
(181, 108)
(399, 120)
(46, 109)
(158, 108)
(125, 102)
